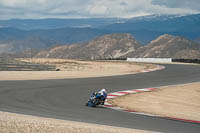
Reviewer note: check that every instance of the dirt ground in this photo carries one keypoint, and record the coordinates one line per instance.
(15, 123)
(181, 101)
(75, 69)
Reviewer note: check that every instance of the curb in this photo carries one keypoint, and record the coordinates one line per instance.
(122, 93)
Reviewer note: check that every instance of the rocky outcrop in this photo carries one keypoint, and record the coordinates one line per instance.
(107, 46)
(121, 46)
(167, 46)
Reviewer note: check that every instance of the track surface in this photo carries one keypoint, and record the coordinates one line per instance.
(65, 99)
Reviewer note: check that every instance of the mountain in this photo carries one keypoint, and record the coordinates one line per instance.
(160, 23)
(15, 40)
(107, 46)
(124, 45)
(120, 46)
(53, 23)
(168, 46)
(154, 17)
(13, 46)
(62, 35)
(19, 35)
(146, 28)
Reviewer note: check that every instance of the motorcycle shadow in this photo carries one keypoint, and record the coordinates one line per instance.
(100, 106)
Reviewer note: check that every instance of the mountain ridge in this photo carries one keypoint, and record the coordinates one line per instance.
(107, 46)
(114, 46)
(168, 46)
(144, 29)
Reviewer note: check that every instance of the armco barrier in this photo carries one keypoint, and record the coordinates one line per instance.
(186, 60)
(151, 60)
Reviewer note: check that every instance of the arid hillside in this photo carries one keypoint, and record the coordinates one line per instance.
(167, 46)
(114, 46)
(108, 46)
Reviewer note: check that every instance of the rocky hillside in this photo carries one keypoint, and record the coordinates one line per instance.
(121, 46)
(107, 46)
(167, 46)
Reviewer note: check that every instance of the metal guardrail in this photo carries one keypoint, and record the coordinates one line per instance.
(163, 60)
(186, 60)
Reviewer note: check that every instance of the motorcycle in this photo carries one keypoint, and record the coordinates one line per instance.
(95, 100)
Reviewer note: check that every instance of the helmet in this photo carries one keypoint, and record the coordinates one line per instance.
(103, 90)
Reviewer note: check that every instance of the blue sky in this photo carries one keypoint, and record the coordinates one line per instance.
(94, 8)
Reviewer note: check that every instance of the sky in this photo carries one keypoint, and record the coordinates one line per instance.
(36, 9)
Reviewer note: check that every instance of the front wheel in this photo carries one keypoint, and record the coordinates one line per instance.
(90, 104)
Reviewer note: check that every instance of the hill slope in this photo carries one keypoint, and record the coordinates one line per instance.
(19, 35)
(167, 46)
(120, 46)
(107, 46)
(124, 45)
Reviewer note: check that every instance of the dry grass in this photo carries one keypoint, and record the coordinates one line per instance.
(75, 69)
(15, 123)
(182, 101)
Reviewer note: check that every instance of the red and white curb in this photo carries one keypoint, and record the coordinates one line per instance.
(121, 93)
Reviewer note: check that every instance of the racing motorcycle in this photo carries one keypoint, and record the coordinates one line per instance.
(95, 99)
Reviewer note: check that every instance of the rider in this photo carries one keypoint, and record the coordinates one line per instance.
(103, 94)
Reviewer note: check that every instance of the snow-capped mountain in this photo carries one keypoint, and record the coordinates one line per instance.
(155, 17)
(147, 28)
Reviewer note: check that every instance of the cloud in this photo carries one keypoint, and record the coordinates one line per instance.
(118, 8)
(131, 8)
(42, 8)
(123, 4)
(93, 8)
(97, 10)
(185, 4)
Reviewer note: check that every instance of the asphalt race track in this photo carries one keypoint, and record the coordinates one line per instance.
(66, 98)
